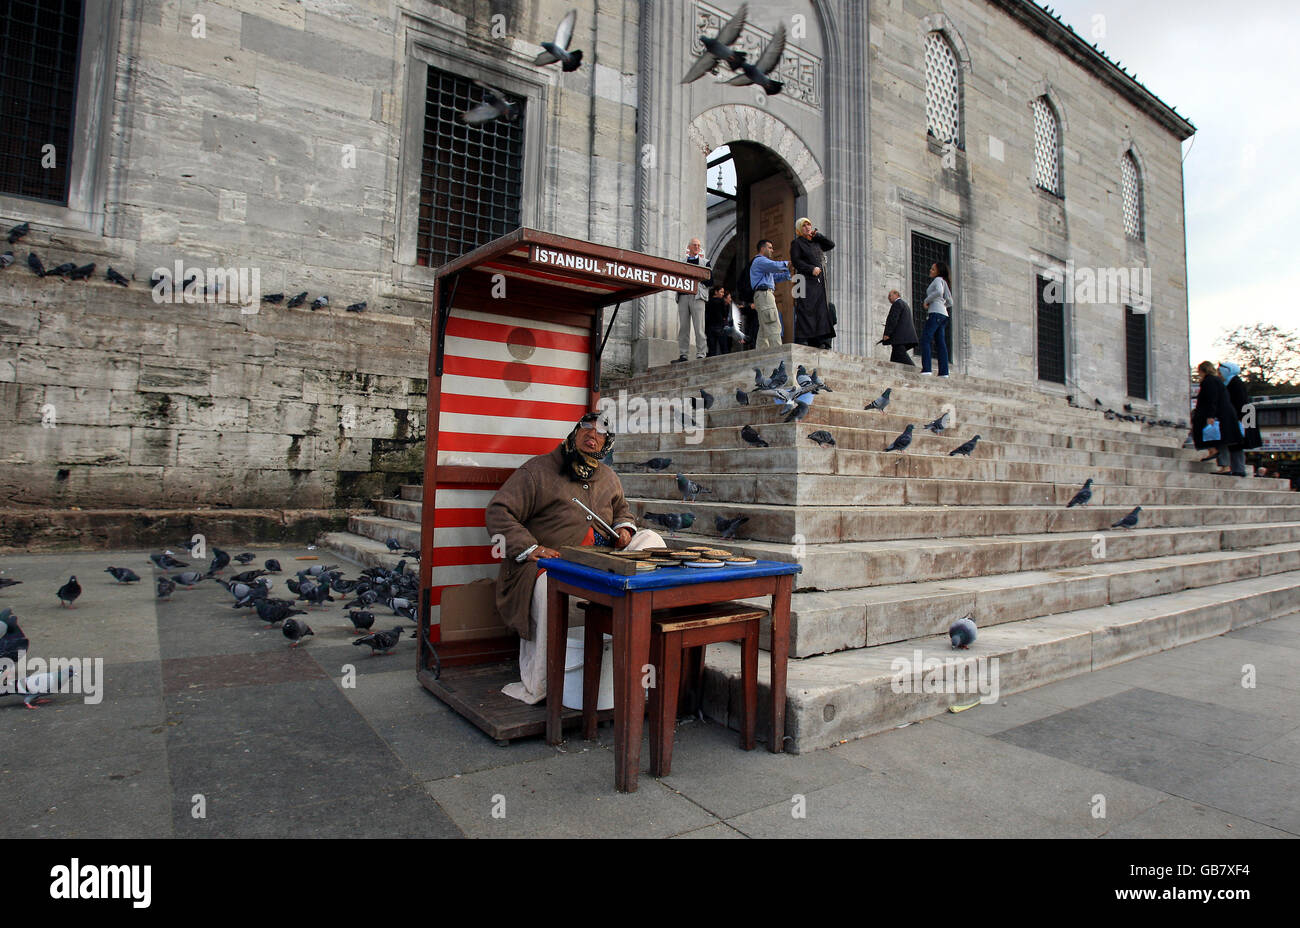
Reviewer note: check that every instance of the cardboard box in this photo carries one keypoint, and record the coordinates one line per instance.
(468, 612)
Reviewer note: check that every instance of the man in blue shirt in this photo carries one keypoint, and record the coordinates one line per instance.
(764, 273)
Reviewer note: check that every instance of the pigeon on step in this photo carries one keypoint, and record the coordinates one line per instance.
(742, 397)
(938, 425)
(673, 521)
(881, 401)
(822, 437)
(727, 527)
(965, 447)
(381, 642)
(750, 434)
(689, 488)
(962, 633)
(296, 631)
(1082, 497)
(1130, 520)
(902, 441)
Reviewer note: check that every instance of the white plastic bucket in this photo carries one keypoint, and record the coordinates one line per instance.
(573, 659)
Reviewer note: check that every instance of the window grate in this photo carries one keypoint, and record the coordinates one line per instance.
(942, 90)
(1135, 344)
(38, 83)
(927, 251)
(1047, 147)
(1051, 333)
(471, 184)
(1132, 194)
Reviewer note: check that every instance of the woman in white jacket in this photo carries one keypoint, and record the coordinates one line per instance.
(938, 300)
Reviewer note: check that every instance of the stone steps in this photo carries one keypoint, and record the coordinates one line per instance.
(851, 694)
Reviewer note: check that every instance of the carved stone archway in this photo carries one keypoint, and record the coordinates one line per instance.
(735, 122)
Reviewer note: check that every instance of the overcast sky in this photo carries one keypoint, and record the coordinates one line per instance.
(1231, 68)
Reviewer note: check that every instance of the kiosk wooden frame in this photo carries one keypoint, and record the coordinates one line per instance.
(560, 284)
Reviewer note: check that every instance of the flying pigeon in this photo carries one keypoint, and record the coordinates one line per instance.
(165, 588)
(498, 106)
(114, 277)
(69, 592)
(1130, 520)
(656, 464)
(361, 619)
(902, 441)
(43, 684)
(123, 574)
(19, 231)
(245, 558)
(797, 410)
(881, 401)
(356, 307)
(962, 634)
(381, 642)
(716, 49)
(320, 302)
(822, 437)
(965, 447)
(558, 50)
(296, 300)
(295, 631)
(742, 397)
(690, 489)
(1082, 497)
(938, 425)
(727, 527)
(750, 434)
(757, 73)
(34, 263)
(673, 521)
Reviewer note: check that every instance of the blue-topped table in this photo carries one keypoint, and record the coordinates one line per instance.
(631, 600)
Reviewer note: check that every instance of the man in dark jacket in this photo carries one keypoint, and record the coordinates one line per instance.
(900, 333)
(813, 325)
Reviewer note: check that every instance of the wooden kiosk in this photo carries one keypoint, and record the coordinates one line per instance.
(514, 362)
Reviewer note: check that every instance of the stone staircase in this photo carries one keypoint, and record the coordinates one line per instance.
(895, 546)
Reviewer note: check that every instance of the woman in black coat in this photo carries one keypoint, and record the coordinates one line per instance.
(814, 325)
(1214, 405)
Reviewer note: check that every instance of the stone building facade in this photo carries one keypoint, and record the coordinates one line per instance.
(295, 140)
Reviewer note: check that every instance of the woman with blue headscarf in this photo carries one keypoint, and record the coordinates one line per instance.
(1230, 373)
(1215, 409)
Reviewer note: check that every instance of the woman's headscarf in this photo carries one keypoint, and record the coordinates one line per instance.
(1228, 370)
(582, 465)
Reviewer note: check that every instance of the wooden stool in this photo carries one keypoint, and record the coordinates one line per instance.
(674, 631)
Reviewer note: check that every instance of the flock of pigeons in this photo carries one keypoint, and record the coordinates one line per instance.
(396, 589)
(717, 52)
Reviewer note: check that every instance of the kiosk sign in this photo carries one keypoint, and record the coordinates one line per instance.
(552, 257)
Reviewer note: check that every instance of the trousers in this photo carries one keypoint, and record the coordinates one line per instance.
(935, 325)
(769, 319)
(690, 314)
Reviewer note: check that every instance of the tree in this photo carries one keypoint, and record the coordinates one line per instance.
(1269, 356)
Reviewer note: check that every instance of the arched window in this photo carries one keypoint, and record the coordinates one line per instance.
(1047, 147)
(1131, 186)
(942, 90)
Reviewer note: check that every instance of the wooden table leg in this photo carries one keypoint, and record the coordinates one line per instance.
(780, 651)
(557, 631)
(631, 655)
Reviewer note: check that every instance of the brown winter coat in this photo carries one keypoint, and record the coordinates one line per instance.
(534, 506)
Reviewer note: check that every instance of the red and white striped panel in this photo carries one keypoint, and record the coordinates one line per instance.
(512, 388)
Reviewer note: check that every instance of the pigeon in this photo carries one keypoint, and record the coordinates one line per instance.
(803, 378)
(962, 633)
(361, 619)
(69, 592)
(690, 489)
(902, 441)
(166, 562)
(272, 565)
(717, 49)
(498, 106)
(114, 277)
(1082, 497)
(381, 642)
(750, 434)
(881, 401)
(558, 50)
(188, 578)
(742, 397)
(34, 263)
(757, 73)
(965, 447)
(320, 302)
(123, 574)
(5, 581)
(1130, 520)
(797, 410)
(273, 298)
(398, 604)
(673, 521)
(707, 397)
(295, 631)
(19, 231)
(248, 576)
(219, 561)
(12, 639)
(656, 464)
(272, 611)
(43, 684)
(318, 595)
(245, 558)
(727, 527)
(761, 382)
(6, 259)
(818, 384)
(296, 300)
(392, 544)
(938, 425)
(165, 588)
(355, 307)
(81, 273)
(822, 437)
(779, 377)
(63, 270)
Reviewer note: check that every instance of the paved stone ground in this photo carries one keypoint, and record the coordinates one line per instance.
(200, 700)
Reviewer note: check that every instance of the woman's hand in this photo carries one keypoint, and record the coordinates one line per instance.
(541, 551)
(624, 537)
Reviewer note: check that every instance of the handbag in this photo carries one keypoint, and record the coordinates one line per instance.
(1252, 439)
(1211, 432)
